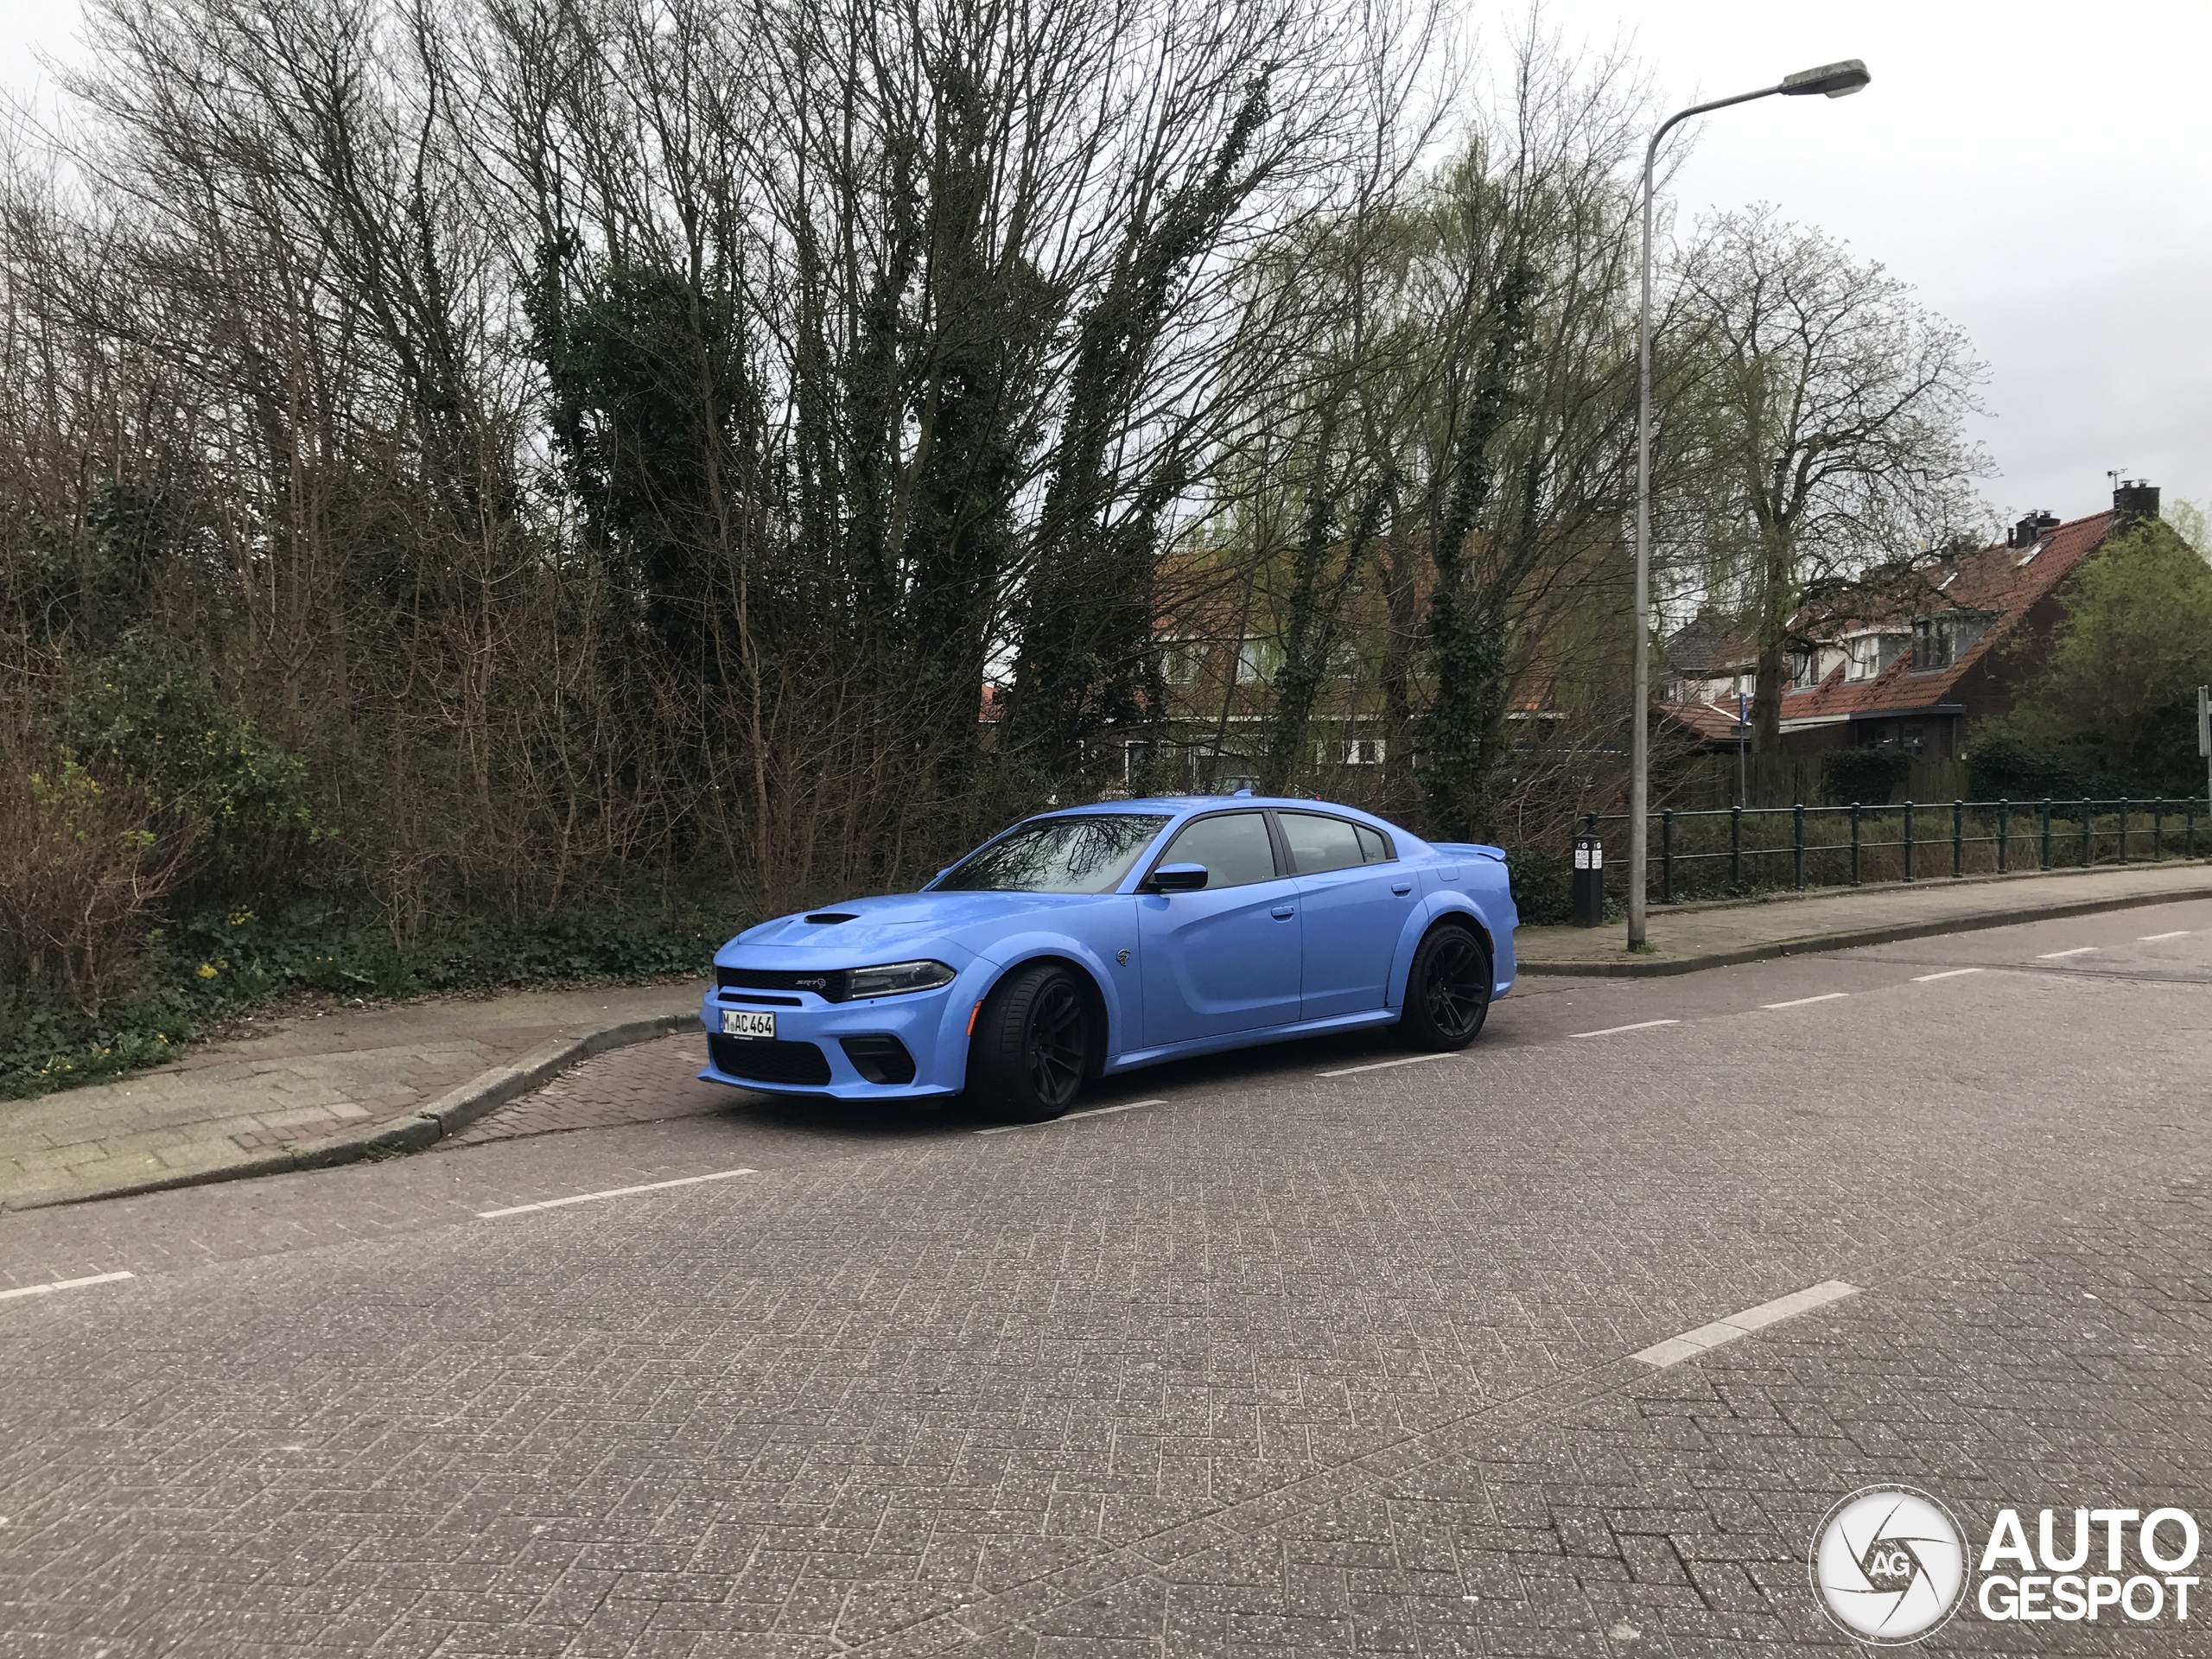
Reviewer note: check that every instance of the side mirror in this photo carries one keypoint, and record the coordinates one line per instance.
(1176, 878)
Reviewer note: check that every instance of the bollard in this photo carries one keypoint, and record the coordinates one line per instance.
(1588, 900)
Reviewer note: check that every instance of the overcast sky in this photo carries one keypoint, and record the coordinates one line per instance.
(2041, 172)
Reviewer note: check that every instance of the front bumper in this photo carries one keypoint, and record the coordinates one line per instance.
(809, 1055)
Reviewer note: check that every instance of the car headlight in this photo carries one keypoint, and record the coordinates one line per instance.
(896, 977)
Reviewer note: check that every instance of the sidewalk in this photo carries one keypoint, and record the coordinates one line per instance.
(1687, 938)
(347, 1084)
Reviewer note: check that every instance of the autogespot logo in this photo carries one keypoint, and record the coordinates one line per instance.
(1889, 1565)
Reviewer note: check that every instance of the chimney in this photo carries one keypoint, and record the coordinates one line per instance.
(2135, 501)
(2031, 528)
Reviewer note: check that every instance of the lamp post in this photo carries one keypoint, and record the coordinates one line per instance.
(1833, 81)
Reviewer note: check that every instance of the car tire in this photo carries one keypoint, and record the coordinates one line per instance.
(1033, 1045)
(1447, 989)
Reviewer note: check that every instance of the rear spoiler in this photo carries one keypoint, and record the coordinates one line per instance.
(1475, 849)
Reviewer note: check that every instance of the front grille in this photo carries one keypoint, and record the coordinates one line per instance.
(880, 1059)
(769, 1062)
(827, 983)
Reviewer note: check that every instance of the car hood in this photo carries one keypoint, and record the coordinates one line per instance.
(905, 924)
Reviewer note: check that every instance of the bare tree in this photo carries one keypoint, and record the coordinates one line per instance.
(1828, 416)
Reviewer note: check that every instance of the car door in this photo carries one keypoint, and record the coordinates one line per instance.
(1354, 898)
(1224, 958)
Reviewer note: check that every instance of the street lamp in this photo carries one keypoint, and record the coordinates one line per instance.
(1833, 80)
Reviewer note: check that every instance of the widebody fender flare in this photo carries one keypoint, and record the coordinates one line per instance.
(1115, 996)
(1425, 915)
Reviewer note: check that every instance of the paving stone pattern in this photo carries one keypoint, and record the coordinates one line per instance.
(1307, 1366)
(643, 1083)
(299, 1084)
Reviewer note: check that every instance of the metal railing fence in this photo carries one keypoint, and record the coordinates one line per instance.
(1731, 850)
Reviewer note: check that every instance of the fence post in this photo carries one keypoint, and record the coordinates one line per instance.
(1667, 856)
(1736, 847)
(2123, 828)
(2004, 837)
(2043, 858)
(2089, 846)
(2158, 831)
(2191, 843)
(1958, 837)
(1908, 841)
(1854, 843)
(1797, 844)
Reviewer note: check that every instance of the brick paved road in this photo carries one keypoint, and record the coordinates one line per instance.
(1285, 1364)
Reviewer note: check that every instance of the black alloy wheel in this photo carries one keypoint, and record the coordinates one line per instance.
(1032, 1048)
(1447, 992)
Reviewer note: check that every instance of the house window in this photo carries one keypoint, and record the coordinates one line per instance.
(1939, 641)
(1352, 752)
(1863, 653)
(1178, 660)
(1804, 670)
(1257, 661)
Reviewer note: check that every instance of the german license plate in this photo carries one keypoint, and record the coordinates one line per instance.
(743, 1022)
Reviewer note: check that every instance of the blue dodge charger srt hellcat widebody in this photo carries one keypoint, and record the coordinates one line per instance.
(1103, 938)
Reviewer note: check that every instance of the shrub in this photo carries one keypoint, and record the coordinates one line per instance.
(2003, 767)
(81, 874)
(1543, 884)
(1868, 776)
(200, 765)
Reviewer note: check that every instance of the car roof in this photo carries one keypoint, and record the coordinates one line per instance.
(1185, 804)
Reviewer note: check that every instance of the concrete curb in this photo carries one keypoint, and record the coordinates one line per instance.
(1843, 939)
(455, 1110)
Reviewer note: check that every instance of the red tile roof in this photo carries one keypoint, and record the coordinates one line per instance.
(1709, 723)
(2006, 580)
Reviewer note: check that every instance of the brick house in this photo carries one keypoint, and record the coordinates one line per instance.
(1924, 661)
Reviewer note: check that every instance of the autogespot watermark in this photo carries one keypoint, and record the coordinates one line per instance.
(1889, 1564)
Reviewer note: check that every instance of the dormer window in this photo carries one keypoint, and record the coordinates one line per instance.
(1939, 642)
(1867, 654)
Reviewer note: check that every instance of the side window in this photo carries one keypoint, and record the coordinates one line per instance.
(1372, 847)
(1234, 847)
(1318, 843)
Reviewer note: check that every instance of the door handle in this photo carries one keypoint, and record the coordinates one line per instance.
(1284, 912)
(1401, 888)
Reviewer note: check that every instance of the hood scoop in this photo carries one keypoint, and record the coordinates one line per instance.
(830, 917)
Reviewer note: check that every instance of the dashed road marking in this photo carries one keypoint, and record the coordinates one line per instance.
(1949, 973)
(611, 1193)
(2078, 951)
(1614, 1030)
(1070, 1117)
(63, 1284)
(1381, 1066)
(1800, 1001)
(1691, 1343)
(2153, 938)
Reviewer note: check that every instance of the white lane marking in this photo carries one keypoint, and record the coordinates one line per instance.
(2078, 951)
(62, 1284)
(1691, 1343)
(1799, 1002)
(1070, 1117)
(1949, 973)
(611, 1193)
(2153, 938)
(1612, 1031)
(1382, 1066)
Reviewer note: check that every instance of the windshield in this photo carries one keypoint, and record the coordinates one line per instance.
(1087, 852)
